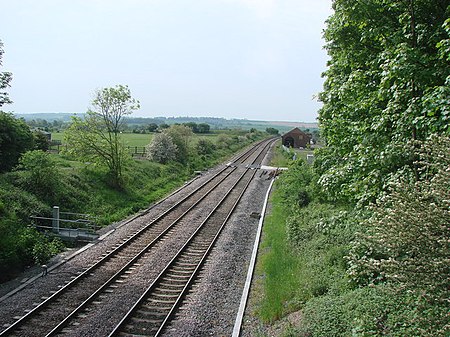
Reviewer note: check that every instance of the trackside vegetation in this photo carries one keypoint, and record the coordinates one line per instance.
(369, 271)
(41, 180)
(358, 243)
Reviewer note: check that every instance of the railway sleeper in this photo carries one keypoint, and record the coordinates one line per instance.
(165, 295)
(189, 260)
(156, 307)
(168, 289)
(150, 321)
(161, 301)
(171, 285)
(66, 331)
(181, 280)
(195, 250)
(176, 277)
(186, 264)
(181, 271)
(152, 314)
(143, 332)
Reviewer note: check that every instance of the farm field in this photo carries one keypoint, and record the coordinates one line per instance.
(138, 139)
(131, 139)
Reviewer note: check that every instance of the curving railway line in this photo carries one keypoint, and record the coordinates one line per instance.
(165, 254)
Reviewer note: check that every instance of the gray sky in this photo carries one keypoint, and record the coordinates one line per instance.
(254, 59)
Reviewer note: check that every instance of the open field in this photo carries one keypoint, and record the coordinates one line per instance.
(132, 139)
(141, 140)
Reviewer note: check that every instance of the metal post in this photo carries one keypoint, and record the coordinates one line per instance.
(55, 221)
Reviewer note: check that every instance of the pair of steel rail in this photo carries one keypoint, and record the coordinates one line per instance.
(173, 282)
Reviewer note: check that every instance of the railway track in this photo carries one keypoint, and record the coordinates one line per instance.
(155, 307)
(67, 307)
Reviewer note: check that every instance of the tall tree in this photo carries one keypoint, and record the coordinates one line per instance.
(386, 83)
(15, 139)
(5, 78)
(15, 135)
(98, 136)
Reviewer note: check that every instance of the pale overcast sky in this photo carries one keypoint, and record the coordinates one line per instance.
(254, 59)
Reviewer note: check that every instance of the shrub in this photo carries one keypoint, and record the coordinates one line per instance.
(39, 174)
(223, 141)
(41, 141)
(162, 149)
(44, 249)
(407, 236)
(371, 311)
(205, 147)
(405, 241)
(181, 136)
(15, 139)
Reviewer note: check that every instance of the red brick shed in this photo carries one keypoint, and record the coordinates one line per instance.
(296, 138)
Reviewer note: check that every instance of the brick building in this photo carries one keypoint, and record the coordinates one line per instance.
(296, 138)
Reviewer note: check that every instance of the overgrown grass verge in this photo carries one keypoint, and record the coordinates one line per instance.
(277, 264)
(302, 253)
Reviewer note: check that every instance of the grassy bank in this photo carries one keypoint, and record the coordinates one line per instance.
(277, 263)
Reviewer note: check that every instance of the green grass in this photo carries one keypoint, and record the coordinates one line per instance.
(137, 139)
(57, 136)
(131, 139)
(282, 158)
(278, 264)
(296, 262)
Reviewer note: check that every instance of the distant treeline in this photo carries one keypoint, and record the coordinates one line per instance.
(57, 121)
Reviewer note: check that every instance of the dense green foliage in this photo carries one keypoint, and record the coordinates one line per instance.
(370, 271)
(387, 83)
(272, 131)
(369, 223)
(15, 139)
(181, 136)
(5, 78)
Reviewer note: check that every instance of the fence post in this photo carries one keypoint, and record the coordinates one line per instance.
(55, 221)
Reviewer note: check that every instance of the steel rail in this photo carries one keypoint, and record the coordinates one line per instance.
(105, 258)
(130, 263)
(148, 291)
(157, 281)
(202, 261)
